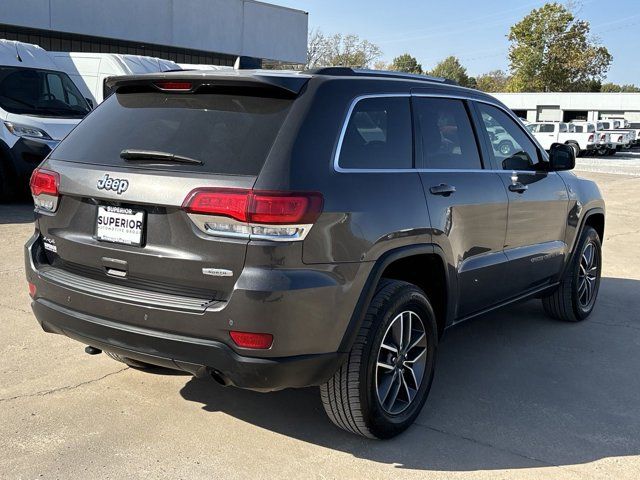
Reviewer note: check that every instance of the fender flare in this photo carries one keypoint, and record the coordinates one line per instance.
(583, 223)
(373, 280)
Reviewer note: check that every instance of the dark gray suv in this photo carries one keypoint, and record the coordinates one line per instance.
(276, 230)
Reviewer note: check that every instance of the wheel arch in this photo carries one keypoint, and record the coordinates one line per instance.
(402, 264)
(595, 218)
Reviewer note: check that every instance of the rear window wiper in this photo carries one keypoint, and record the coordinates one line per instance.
(132, 154)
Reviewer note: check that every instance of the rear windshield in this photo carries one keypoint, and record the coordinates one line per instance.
(228, 133)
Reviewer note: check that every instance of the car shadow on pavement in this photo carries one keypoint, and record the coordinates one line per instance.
(16, 211)
(513, 389)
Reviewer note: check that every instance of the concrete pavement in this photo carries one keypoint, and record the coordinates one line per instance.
(516, 395)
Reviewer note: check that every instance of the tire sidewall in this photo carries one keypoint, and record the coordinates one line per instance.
(379, 422)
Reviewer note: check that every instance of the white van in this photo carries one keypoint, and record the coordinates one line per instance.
(202, 66)
(89, 70)
(39, 105)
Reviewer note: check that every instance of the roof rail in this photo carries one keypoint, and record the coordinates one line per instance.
(347, 71)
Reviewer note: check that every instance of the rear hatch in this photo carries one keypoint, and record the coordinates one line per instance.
(119, 226)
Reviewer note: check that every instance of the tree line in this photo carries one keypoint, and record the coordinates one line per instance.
(550, 50)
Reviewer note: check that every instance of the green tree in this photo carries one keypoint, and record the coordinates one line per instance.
(612, 87)
(340, 50)
(551, 50)
(406, 63)
(452, 69)
(494, 81)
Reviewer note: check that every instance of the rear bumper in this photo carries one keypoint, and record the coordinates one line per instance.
(196, 356)
(302, 321)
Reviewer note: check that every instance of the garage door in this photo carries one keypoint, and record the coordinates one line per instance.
(549, 114)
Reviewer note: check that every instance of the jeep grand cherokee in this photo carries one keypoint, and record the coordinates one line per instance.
(276, 230)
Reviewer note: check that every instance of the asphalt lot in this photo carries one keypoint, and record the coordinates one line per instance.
(516, 395)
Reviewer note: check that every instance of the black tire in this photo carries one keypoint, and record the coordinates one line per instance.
(568, 302)
(5, 190)
(129, 361)
(576, 149)
(351, 398)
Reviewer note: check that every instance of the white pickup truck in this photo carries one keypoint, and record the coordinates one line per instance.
(636, 126)
(548, 133)
(604, 145)
(622, 137)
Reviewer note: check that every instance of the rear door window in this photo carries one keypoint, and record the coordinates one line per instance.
(444, 136)
(229, 133)
(378, 135)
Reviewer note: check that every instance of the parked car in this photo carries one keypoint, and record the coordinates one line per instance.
(89, 71)
(548, 133)
(368, 213)
(39, 105)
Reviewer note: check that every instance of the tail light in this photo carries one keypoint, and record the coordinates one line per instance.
(591, 137)
(44, 186)
(32, 290)
(603, 137)
(620, 139)
(261, 341)
(254, 213)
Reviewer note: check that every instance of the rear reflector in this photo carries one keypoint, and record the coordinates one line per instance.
(260, 341)
(254, 206)
(44, 182)
(32, 290)
(175, 86)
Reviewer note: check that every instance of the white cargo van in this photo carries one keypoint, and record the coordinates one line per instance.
(202, 66)
(90, 70)
(39, 105)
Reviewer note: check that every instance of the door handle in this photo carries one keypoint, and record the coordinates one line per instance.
(518, 187)
(442, 189)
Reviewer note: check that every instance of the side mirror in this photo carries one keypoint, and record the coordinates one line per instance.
(90, 102)
(561, 157)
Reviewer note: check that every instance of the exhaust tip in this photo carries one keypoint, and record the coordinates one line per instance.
(92, 350)
(219, 378)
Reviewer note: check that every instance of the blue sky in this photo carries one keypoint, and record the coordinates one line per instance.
(473, 30)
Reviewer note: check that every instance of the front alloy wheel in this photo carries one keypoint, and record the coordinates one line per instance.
(575, 296)
(588, 275)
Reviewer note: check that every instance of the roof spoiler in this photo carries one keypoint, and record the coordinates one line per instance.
(290, 85)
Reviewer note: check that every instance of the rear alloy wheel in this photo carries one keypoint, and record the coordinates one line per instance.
(382, 386)
(576, 295)
(402, 359)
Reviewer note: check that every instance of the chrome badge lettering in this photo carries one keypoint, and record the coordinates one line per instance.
(217, 272)
(117, 185)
